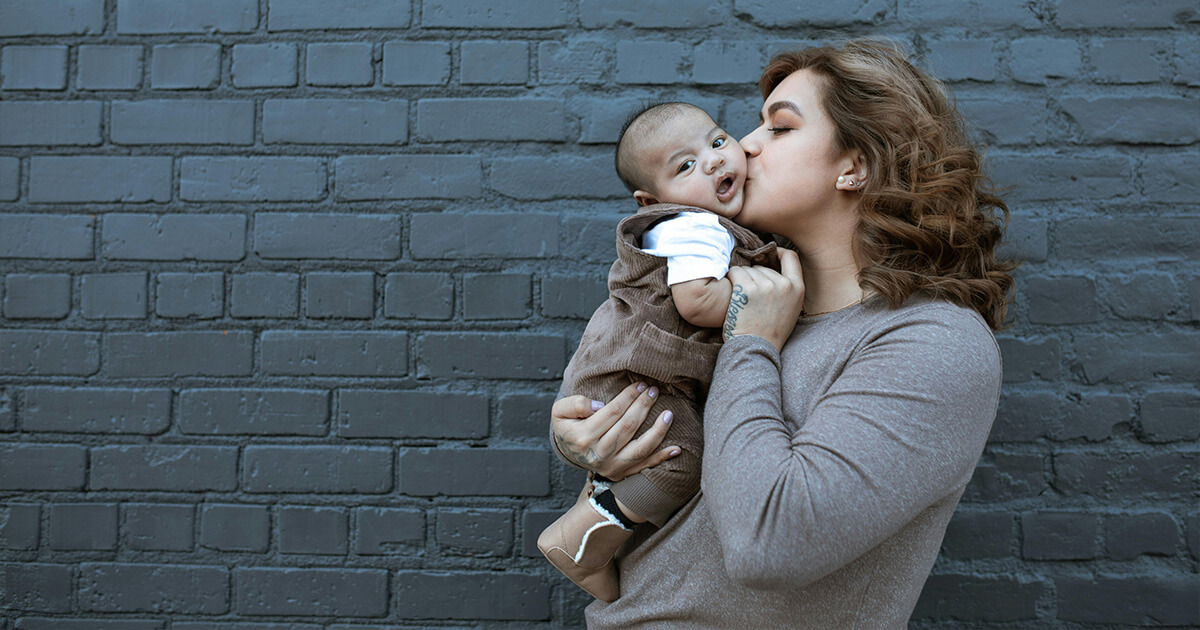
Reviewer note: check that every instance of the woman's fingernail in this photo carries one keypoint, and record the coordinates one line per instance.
(668, 417)
(673, 452)
(641, 387)
(597, 405)
(653, 392)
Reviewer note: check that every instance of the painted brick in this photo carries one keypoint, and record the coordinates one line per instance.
(227, 527)
(147, 17)
(85, 623)
(49, 353)
(194, 295)
(1041, 60)
(265, 294)
(923, 14)
(1186, 73)
(416, 63)
(1026, 239)
(33, 67)
(37, 587)
(185, 589)
(158, 527)
(50, 123)
(370, 413)
(979, 598)
(572, 296)
(251, 179)
(472, 236)
(726, 62)
(340, 294)
(1127, 536)
(1172, 177)
(419, 295)
(301, 15)
(182, 122)
(163, 467)
(495, 14)
(588, 61)
(1114, 13)
(28, 466)
(491, 355)
(185, 66)
(497, 295)
(1141, 295)
(652, 62)
(335, 121)
(174, 237)
(339, 64)
(1076, 177)
(1007, 476)
(1160, 600)
(1057, 535)
(19, 526)
(1092, 417)
(1169, 416)
(313, 530)
(1024, 416)
(311, 592)
(180, 353)
(653, 14)
(494, 63)
(1149, 237)
(37, 295)
(211, 625)
(524, 415)
(55, 179)
(1117, 475)
(96, 410)
(461, 119)
(109, 67)
(264, 65)
(10, 178)
(1138, 357)
(1070, 300)
(474, 532)
(1127, 60)
(253, 412)
(327, 236)
(963, 60)
(384, 531)
(46, 236)
(472, 595)
(1135, 120)
(317, 469)
(592, 238)
(374, 177)
(972, 535)
(532, 525)
(113, 295)
(8, 418)
(51, 17)
(83, 526)
(1026, 359)
(335, 353)
(559, 177)
(1007, 121)
(774, 13)
(474, 472)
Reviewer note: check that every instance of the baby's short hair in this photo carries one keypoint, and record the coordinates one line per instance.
(629, 169)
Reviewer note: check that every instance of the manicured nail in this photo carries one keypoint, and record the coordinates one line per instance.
(667, 417)
(673, 452)
(597, 405)
(641, 387)
(653, 392)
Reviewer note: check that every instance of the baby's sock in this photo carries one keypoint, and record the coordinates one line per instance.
(606, 504)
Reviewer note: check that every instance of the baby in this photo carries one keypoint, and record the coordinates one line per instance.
(668, 296)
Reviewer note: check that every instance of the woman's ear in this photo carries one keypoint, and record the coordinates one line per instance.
(644, 198)
(854, 174)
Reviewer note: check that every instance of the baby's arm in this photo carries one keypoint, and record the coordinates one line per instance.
(703, 301)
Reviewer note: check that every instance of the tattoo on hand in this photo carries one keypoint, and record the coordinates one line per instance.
(738, 300)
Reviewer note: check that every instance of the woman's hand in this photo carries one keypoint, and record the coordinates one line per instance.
(766, 303)
(597, 436)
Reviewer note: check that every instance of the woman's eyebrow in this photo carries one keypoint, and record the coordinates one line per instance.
(788, 105)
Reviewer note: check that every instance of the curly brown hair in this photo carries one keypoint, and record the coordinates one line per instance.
(929, 219)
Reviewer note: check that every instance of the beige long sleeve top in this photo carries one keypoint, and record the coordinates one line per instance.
(830, 471)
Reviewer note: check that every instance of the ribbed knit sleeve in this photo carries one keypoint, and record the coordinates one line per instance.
(894, 426)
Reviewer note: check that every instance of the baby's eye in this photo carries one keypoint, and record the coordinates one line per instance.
(718, 143)
(687, 164)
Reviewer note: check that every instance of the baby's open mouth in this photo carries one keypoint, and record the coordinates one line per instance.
(725, 184)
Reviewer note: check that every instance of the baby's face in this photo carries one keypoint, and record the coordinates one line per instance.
(692, 161)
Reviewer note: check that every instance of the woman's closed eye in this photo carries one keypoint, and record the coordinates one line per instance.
(779, 130)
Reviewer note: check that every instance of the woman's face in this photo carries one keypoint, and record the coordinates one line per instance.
(792, 161)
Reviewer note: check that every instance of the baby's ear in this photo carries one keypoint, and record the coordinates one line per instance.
(644, 198)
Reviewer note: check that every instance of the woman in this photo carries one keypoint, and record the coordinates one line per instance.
(856, 388)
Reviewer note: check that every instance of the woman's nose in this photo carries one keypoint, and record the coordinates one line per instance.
(750, 144)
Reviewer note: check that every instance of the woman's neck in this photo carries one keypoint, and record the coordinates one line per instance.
(829, 266)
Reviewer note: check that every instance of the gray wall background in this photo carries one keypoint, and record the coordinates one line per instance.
(288, 285)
